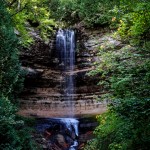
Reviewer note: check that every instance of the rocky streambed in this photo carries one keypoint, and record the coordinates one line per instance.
(64, 133)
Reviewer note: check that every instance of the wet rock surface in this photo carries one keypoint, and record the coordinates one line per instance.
(53, 134)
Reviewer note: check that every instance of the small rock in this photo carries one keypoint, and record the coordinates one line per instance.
(61, 141)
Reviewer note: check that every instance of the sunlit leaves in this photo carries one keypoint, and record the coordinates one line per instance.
(135, 20)
(32, 13)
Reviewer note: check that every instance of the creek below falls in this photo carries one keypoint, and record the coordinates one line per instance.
(64, 133)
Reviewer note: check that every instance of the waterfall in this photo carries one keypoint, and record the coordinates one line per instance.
(65, 45)
(71, 124)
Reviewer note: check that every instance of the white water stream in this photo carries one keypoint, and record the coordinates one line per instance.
(65, 45)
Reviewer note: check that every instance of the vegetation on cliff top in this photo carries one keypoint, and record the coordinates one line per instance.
(29, 15)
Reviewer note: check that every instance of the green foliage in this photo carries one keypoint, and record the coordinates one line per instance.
(10, 72)
(125, 76)
(124, 126)
(134, 20)
(95, 12)
(13, 133)
(31, 13)
(88, 11)
(91, 144)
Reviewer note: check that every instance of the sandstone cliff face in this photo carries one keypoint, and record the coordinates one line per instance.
(43, 93)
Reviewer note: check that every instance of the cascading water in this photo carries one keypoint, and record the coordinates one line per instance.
(72, 125)
(65, 45)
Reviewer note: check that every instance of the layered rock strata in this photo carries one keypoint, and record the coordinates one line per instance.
(43, 93)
